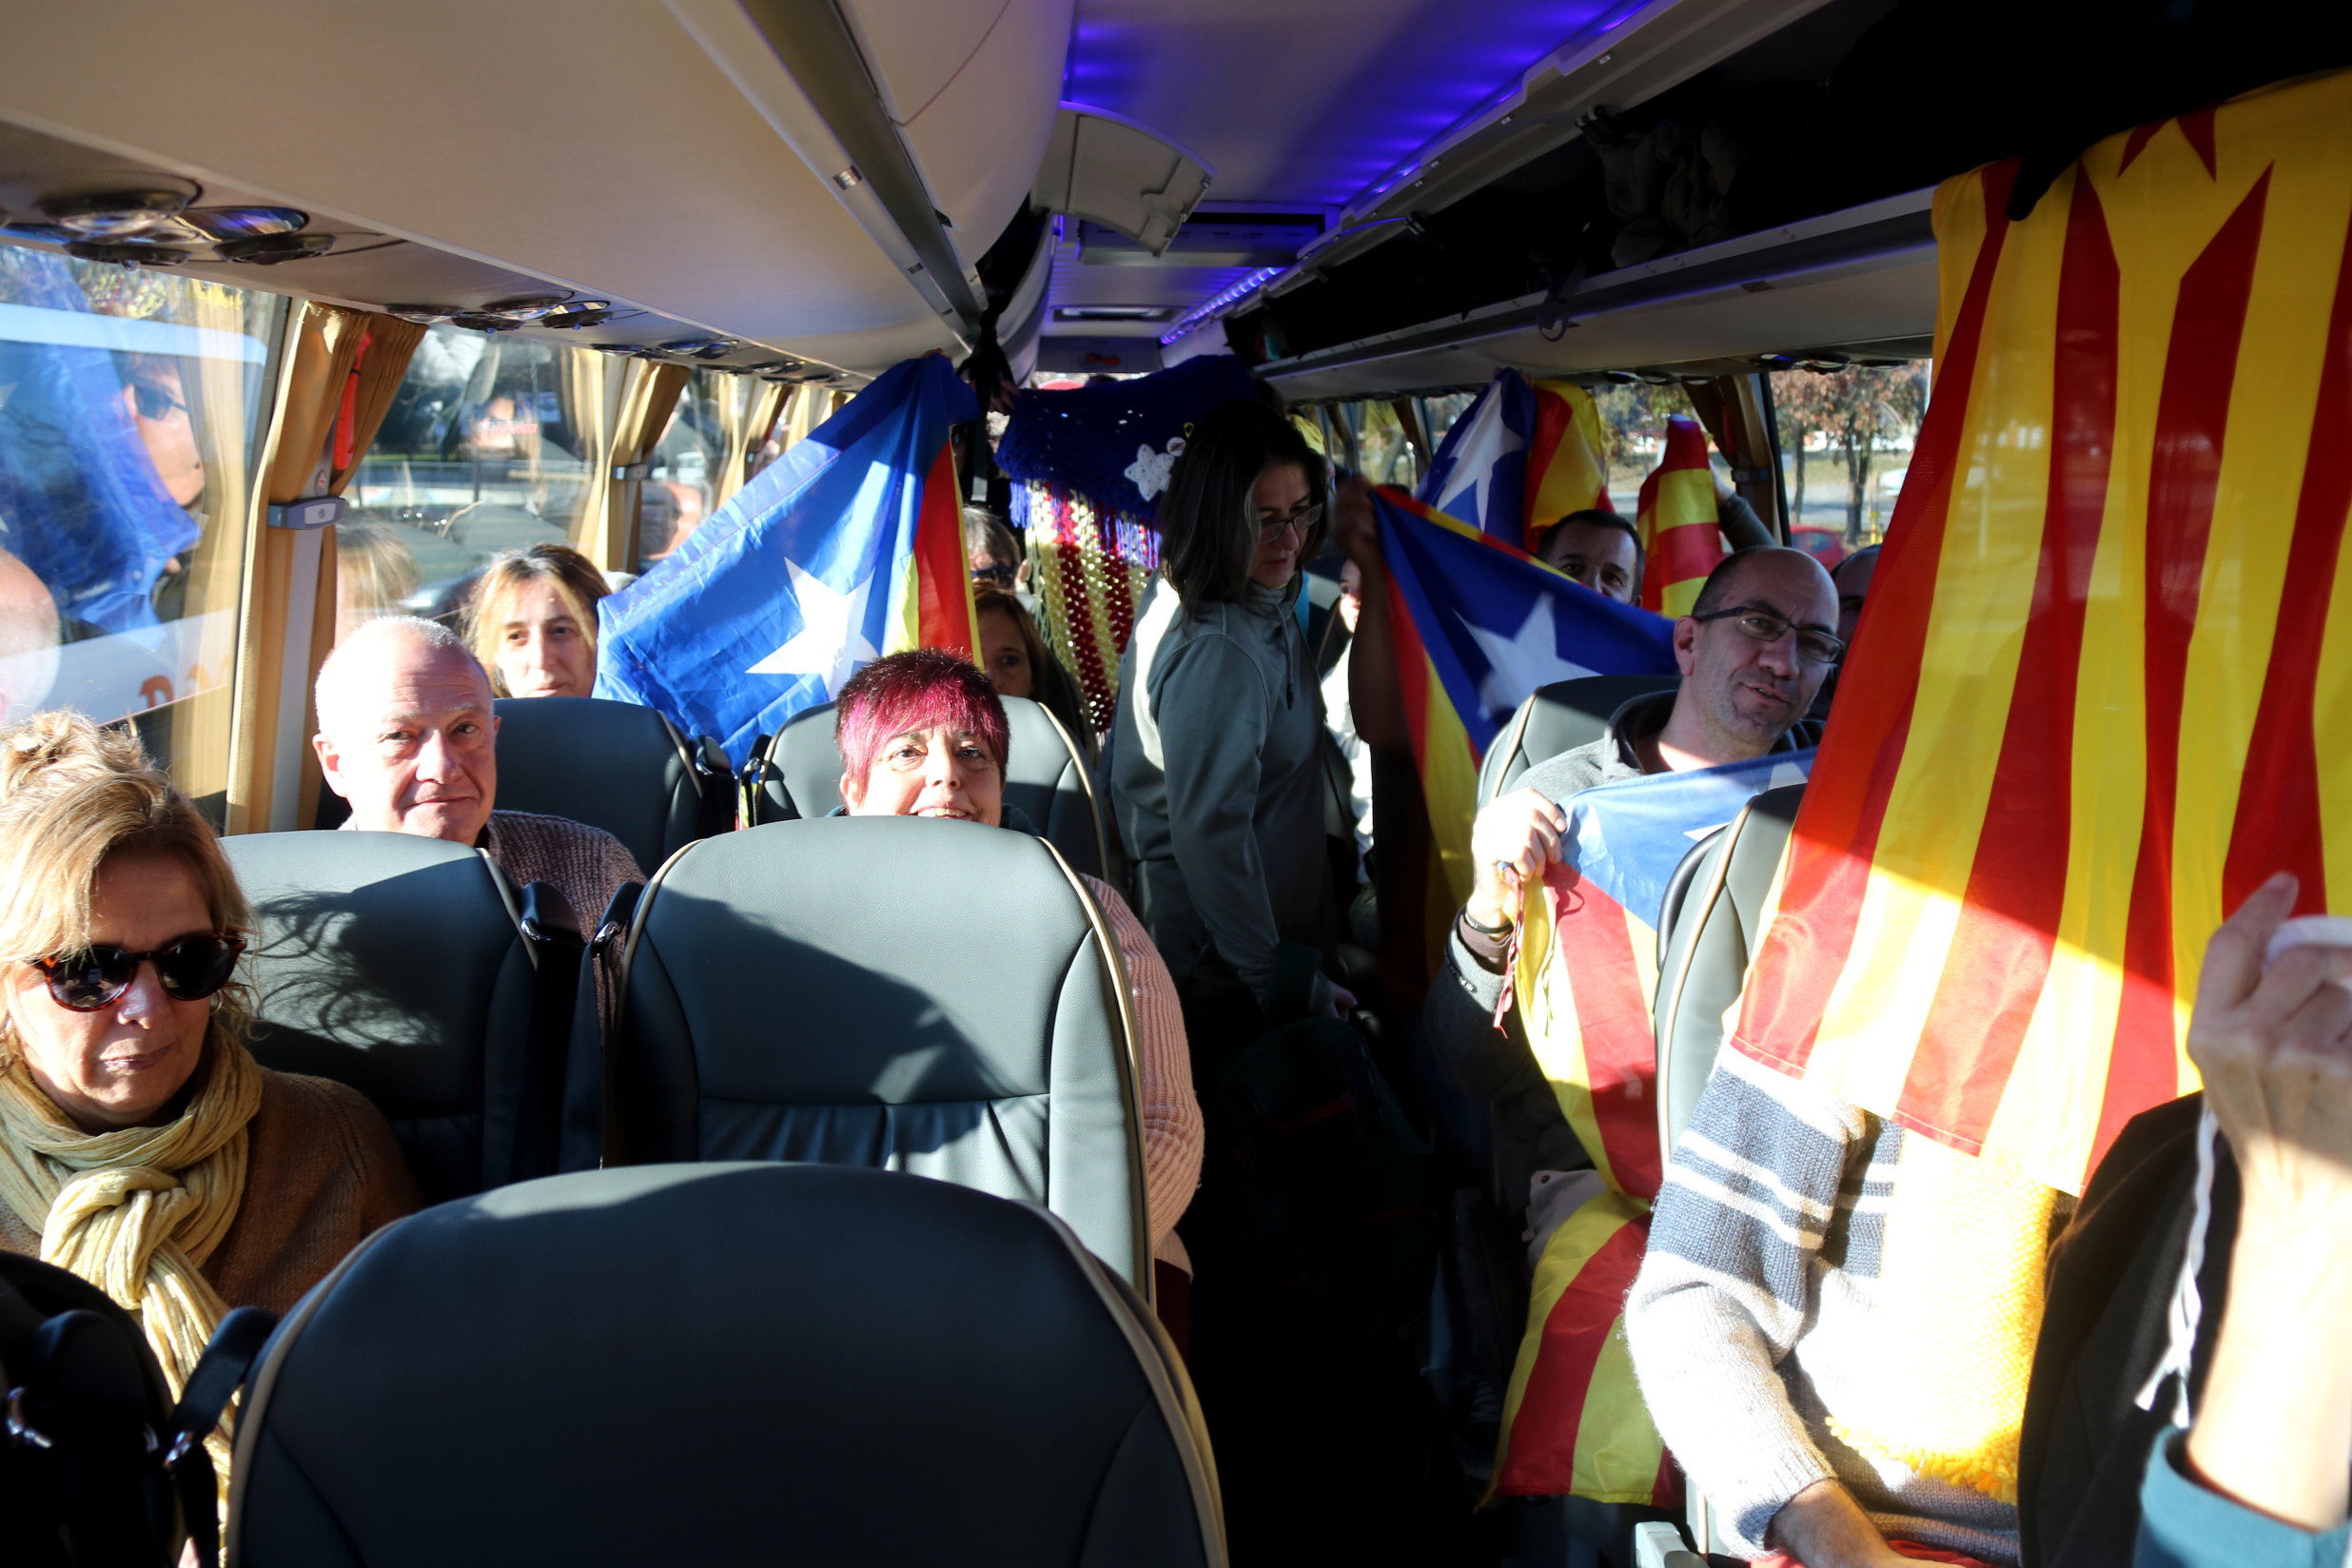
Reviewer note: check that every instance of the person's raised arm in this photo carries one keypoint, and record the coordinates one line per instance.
(2275, 1046)
(1374, 696)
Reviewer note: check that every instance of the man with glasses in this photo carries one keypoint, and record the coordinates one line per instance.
(1758, 642)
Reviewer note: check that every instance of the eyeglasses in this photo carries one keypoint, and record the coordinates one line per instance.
(1000, 575)
(154, 402)
(190, 968)
(1765, 625)
(1305, 518)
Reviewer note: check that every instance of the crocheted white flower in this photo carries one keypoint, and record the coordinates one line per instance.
(1150, 469)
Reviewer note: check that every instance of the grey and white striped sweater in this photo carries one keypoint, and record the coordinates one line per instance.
(1761, 1278)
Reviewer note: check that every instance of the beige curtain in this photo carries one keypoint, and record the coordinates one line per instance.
(225, 402)
(607, 534)
(747, 412)
(591, 384)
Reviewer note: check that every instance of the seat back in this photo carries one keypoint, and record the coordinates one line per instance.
(1555, 719)
(1703, 956)
(938, 997)
(397, 965)
(1046, 782)
(723, 1363)
(614, 766)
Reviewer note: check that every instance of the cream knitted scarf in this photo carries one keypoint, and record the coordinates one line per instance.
(138, 1210)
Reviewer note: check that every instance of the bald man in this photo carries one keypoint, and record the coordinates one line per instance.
(408, 736)
(28, 632)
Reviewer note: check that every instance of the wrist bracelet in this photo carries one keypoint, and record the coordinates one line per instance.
(1490, 932)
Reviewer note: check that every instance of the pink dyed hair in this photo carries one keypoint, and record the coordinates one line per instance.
(918, 690)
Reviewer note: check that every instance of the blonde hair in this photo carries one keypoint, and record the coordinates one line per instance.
(72, 796)
(374, 573)
(577, 582)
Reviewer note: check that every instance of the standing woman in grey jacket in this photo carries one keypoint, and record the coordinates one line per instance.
(1216, 773)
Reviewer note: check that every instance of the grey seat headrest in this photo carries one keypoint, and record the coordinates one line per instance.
(1557, 718)
(722, 1364)
(613, 765)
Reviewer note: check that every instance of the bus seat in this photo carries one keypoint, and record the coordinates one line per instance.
(1555, 719)
(1047, 781)
(723, 1363)
(938, 997)
(1703, 957)
(398, 964)
(614, 766)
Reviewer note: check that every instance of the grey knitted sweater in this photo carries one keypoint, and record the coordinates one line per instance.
(1761, 1275)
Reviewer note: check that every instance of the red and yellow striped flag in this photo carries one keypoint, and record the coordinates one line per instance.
(1566, 470)
(2084, 711)
(1677, 517)
(1574, 1422)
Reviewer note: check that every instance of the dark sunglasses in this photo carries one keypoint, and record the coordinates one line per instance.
(1002, 575)
(190, 968)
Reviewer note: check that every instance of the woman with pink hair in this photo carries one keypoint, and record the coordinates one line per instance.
(924, 733)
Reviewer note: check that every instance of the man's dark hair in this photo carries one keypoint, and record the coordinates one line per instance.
(1208, 529)
(1595, 516)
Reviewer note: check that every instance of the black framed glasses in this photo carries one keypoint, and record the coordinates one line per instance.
(1000, 575)
(190, 969)
(1304, 519)
(1766, 624)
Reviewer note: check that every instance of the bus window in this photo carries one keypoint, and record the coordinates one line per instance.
(1845, 442)
(131, 414)
(721, 424)
(493, 444)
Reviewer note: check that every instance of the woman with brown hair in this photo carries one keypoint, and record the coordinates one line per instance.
(1014, 657)
(531, 622)
(141, 1145)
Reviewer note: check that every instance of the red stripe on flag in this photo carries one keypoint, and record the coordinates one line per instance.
(1614, 1021)
(2137, 141)
(2001, 947)
(1683, 552)
(1806, 948)
(942, 574)
(2197, 126)
(2192, 415)
(2279, 825)
(1543, 1454)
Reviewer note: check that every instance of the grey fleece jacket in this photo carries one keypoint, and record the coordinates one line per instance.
(1217, 785)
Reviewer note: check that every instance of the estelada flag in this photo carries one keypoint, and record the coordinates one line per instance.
(849, 546)
(1583, 979)
(2097, 697)
(1478, 625)
(1676, 516)
(1519, 459)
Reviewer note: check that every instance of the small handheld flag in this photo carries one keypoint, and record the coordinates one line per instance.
(848, 547)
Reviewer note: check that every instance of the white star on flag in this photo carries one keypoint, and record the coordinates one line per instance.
(1472, 478)
(1519, 663)
(831, 641)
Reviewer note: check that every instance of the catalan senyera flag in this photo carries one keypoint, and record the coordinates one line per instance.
(1676, 516)
(1567, 466)
(1583, 979)
(2098, 694)
(1478, 625)
(848, 547)
(1519, 459)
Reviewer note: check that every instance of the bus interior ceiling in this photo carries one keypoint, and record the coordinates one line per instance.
(1394, 198)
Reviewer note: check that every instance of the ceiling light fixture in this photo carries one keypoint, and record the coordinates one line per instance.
(525, 308)
(425, 315)
(702, 348)
(482, 321)
(241, 222)
(114, 214)
(125, 255)
(269, 250)
(1192, 319)
(578, 314)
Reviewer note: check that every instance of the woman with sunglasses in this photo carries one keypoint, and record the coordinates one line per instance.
(1217, 764)
(141, 1145)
